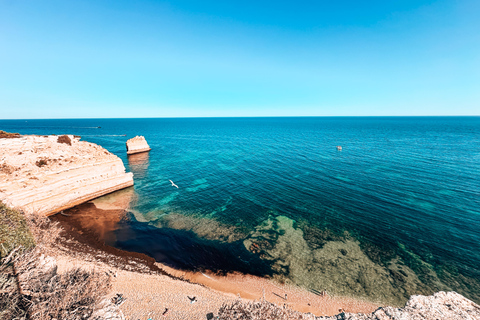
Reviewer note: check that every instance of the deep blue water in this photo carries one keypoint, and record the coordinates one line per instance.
(409, 181)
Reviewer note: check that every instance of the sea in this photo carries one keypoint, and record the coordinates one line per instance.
(395, 212)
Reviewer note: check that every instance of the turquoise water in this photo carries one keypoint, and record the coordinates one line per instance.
(396, 212)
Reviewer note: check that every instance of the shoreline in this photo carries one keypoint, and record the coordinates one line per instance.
(151, 287)
(83, 241)
(47, 163)
(256, 288)
(150, 294)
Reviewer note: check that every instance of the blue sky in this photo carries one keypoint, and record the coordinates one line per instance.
(92, 59)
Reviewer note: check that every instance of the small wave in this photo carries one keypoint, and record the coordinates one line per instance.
(206, 275)
(104, 135)
(60, 127)
(85, 127)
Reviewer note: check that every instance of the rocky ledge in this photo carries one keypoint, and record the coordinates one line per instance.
(137, 144)
(441, 305)
(47, 174)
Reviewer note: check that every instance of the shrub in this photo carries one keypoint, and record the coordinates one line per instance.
(30, 286)
(15, 238)
(12, 305)
(38, 292)
(72, 295)
(4, 134)
(42, 162)
(64, 139)
(14, 231)
(6, 168)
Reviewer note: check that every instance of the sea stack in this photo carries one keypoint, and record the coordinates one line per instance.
(48, 174)
(137, 144)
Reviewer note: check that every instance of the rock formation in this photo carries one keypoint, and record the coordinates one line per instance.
(137, 144)
(47, 174)
(441, 305)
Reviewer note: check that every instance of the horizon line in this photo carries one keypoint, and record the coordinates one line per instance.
(223, 117)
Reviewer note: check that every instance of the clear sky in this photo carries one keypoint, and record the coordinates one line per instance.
(185, 58)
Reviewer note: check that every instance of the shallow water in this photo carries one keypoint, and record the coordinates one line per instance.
(396, 212)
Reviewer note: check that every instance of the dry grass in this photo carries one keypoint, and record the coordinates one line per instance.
(15, 238)
(257, 310)
(12, 306)
(74, 294)
(14, 231)
(25, 231)
(30, 287)
(44, 231)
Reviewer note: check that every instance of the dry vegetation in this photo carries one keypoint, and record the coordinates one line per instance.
(4, 134)
(64, 139)
(49, 295)
(14, 231)
(257, 310)
(30, 286)
(42, 162)
(12, 306)
(15, 240)
(5, 168)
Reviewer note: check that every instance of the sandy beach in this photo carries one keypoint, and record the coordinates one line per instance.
(149, 293)
(150, 288)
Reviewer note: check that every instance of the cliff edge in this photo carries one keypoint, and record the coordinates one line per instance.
(137, 144)
(47, 174)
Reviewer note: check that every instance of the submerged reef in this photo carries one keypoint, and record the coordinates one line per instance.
(335, 261)
(339, 263)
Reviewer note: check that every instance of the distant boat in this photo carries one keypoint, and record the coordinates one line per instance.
(98, 127)
(339, 148)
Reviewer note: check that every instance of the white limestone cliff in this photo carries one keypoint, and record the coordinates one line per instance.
(137, 144)
(47, 174)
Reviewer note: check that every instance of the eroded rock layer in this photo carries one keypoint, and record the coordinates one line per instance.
(137, 144)
(47, 174)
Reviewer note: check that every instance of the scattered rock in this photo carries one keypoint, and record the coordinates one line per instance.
(440, 306)
(108, 311)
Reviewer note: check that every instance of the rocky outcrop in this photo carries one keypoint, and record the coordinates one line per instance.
(137, 144)
(45, 174)
(441, 305)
